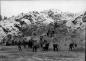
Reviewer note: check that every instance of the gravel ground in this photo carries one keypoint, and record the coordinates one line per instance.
(11, 53)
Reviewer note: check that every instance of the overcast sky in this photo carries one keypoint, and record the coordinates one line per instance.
(10, 8)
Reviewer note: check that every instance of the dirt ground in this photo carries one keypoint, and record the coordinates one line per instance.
(11, 53)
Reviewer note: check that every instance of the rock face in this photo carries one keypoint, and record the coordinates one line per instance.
(61, 25)
(2, 34)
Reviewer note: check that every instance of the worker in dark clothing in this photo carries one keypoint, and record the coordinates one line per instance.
(55, 47)
(35, 46)
(24, 43)
(72, 45)
(45, 45)
(19, 45)
(30, 43)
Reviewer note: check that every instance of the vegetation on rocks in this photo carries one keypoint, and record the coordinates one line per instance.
(61, 26)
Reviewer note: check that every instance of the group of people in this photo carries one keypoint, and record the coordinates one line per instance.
(35, 44)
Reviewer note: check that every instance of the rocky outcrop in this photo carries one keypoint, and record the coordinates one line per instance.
(62, 24)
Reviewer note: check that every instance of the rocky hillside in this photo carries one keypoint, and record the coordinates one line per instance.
(54, 23)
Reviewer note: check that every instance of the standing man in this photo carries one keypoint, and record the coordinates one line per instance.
(35, 46)
(55, 47)
(19, 45)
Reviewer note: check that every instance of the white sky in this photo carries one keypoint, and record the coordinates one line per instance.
(10, 8)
